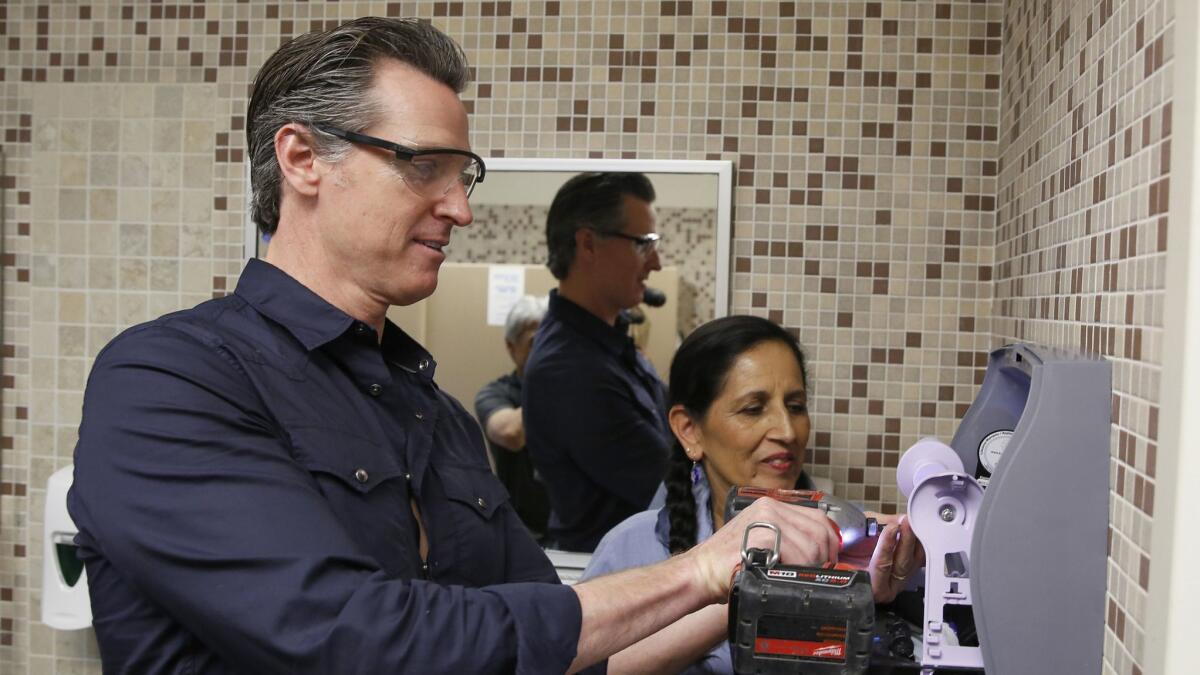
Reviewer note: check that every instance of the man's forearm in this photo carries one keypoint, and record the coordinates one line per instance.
(506, 429)
(674, 648)
(623, 608)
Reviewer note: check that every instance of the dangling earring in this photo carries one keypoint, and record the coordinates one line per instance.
(695, 472)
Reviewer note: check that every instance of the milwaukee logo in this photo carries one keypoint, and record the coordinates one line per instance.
(832, 650)
(782, 574)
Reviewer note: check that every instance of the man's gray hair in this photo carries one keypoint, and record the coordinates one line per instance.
(526, 312)
(326, 78)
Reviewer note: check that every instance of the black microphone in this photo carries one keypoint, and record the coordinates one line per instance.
(654, 297)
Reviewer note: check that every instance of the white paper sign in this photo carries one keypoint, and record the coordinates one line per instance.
(506, 285)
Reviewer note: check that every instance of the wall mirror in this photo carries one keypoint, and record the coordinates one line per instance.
(502, 255)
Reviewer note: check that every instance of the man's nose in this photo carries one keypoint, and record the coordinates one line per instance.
(454, 206)
(654, 262)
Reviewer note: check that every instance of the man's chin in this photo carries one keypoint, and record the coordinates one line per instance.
(412, 294)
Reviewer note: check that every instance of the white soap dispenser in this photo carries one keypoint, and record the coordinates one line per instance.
(65, 603)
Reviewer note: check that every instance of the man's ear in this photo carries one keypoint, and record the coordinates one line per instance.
(585, 242)
(687, 431)
(297, 157)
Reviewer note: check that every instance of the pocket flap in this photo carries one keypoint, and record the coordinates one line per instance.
(359, 462)
(477, 487)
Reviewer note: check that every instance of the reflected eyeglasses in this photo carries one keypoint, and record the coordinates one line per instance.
(644, 244)
(430, 172)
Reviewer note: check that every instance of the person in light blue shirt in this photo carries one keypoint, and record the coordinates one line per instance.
(739, 414)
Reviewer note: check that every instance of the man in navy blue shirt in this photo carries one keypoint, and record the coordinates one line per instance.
(594, 408)
(272, 482)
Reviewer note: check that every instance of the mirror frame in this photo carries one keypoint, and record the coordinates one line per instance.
(722, 169)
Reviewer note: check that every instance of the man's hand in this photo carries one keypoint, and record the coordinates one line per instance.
(807, 538)
(895, 557)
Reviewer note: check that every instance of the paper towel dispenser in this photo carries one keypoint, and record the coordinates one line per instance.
(65, 602)
(1013, 516)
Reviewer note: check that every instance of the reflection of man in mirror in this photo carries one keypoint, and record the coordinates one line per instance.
(498, 409)
(595, 416)
(271, 482)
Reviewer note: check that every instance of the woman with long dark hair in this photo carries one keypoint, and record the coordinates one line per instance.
(739, 413)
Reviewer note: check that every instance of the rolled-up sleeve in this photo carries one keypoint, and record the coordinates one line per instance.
(187, 495)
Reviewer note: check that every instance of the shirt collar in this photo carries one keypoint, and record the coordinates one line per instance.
(403, 351)
(314, 322)
(613, 338)
(287, 302)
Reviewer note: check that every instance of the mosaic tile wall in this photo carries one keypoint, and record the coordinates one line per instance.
(1081, 237)
(866, 137)
(517, 234)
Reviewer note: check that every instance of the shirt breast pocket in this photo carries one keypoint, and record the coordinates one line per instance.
(476, 502)
(366, 488)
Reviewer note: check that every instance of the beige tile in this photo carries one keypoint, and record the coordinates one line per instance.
(166, 171)
(106, 101)
(164, 275)
(199, 102)
(198, 137)
(134, 170)
(164, 206)
(103, 170)
(132, 309)
(102, 272)
(71, 340)
(167, 136)
(102, 205)
(46, 98)
(196, 206)
(134, 239)
(44, 271)
(168, 102)
(45, 169)
(71, 374)
(133, 205)
(135, 135)
(99, 336)
(72, 170)
(137, 101)
(72, 271)
(106, 135)
(133, 274)
(197, 172)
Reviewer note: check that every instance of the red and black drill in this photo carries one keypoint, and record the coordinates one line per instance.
(791, 619)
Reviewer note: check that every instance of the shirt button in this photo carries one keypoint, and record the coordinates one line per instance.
(360, 329)
(375, 390)
(482, 504)
(408, 477)
(422, 364)
(362, 476)
(420, 415)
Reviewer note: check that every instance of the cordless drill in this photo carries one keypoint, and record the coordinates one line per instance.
(797, 620)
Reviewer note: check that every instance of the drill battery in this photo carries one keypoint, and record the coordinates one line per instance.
(789, 619)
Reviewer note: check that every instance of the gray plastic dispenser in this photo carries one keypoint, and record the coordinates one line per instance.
(1038, 437)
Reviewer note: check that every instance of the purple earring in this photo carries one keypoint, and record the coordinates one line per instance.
(695, 472)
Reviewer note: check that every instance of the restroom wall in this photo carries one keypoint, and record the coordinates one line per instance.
(1081, 239)
(866, 138)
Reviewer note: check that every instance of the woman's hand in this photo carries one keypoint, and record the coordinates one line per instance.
(896, 556)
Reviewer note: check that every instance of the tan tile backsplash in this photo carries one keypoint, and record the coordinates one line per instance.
(917, 181)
